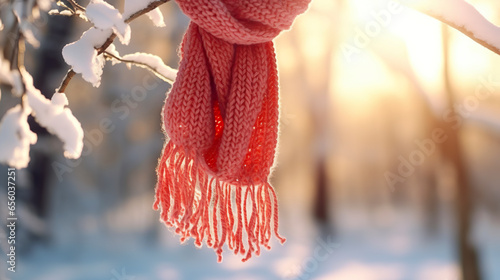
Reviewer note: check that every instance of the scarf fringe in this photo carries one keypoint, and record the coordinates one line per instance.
(200, 205)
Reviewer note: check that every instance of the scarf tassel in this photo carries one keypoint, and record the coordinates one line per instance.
(199, 205)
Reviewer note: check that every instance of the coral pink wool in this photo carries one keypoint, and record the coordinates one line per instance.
(221, 118)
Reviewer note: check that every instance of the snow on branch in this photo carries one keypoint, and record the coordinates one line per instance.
(83, 57)
(147, 61)
(156, 17)
(462, 16)
(15, 134)
(44, 4)
(56, 117)
(133, 10)
(16, 138)
(76, 6)
(6, 76)
(75, 10)
(104, 16)
(133, 6)
(21, 10)
(133, 15)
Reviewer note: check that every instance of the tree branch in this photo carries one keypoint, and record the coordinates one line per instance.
(468, 33)
(451, 17)
(65, 82)
(149, 8)
(112, 37)
(76, 6)
(145, 65)
(17, 57)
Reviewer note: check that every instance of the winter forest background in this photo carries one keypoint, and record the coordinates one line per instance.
(364, 85)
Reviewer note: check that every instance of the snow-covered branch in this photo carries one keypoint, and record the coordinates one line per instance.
(15, 134)
(16, 137)
(56, 117)
(148, 61)
(85, 56)
(462, 16)
(133, 10)
(76, 6)
(75, 10)
(21, 32)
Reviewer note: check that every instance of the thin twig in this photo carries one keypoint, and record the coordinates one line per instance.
(65, 82)
(76, 6)
(21, 49)
(149, 67)
(112, 37)
(20, 64)
(106, 44)
(62, 4)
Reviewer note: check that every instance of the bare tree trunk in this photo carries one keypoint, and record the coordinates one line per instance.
(322, 118)
(49, 65)
(322, 197)
(469, 261)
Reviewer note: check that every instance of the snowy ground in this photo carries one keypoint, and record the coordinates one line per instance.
(396, 250)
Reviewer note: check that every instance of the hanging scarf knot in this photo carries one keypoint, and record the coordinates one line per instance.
(221, 118)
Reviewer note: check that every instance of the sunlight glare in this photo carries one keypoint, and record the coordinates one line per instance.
(423, 39)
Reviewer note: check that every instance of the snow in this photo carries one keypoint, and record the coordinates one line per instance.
(133, 6)
(56, 118)
(147, 61)
(17, 83)
(18, 8)
(82, 55)
(156, 17)
(365, 252)
(156, 63)
(105, 16)
(67, 13)
(44, 5)
(16, 137)
(4, 70)
(28, 34)
(462, 14)
(112, 50)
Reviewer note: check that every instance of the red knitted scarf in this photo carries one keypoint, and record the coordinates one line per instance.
(221, 118)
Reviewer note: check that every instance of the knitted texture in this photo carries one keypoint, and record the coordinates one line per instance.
(221, 118)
